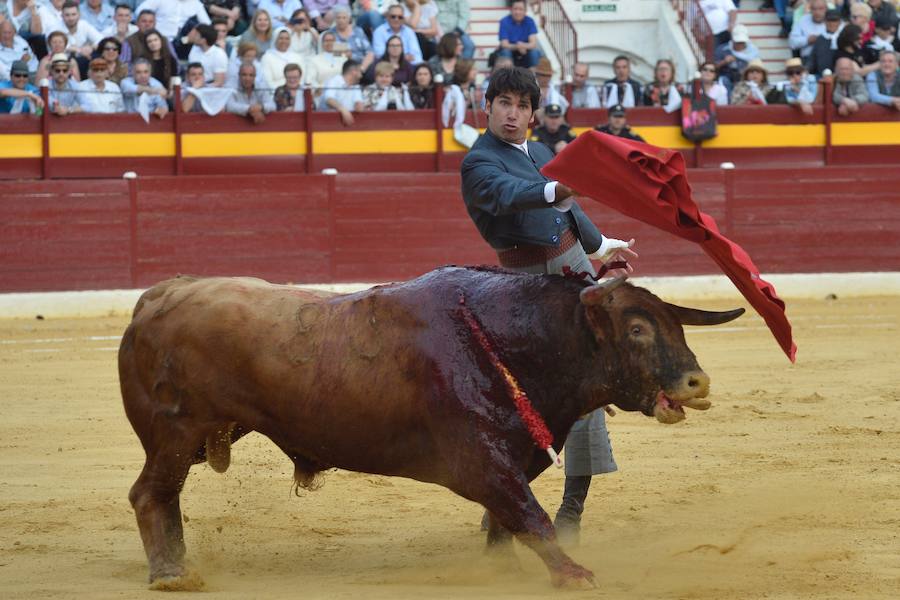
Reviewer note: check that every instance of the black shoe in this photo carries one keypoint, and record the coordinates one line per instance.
(568, 530)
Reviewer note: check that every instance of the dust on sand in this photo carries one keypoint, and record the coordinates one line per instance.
(789, 487)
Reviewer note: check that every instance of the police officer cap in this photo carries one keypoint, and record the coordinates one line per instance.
(553, 110)
(617, 111)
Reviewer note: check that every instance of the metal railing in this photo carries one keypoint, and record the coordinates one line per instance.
(696, 29)
(561, 33)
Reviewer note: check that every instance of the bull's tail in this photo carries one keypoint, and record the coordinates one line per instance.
(218, 448)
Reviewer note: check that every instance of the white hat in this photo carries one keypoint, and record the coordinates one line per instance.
(739, 34)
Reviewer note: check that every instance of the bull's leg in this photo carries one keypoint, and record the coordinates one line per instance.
(155, 498)
(512, 504)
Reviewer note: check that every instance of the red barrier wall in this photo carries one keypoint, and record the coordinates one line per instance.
(84, 234)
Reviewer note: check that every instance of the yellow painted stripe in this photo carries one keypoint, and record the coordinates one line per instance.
(761, 135)
(24, 145)
(450, 143)
(865, 134)
(662, 136)
(414, 141)
(266, 143)
(77, 145)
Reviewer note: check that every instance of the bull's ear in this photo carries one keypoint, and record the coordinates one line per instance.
(695, 316)
(594, 294)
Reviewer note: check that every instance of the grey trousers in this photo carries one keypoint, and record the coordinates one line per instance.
(588, 450)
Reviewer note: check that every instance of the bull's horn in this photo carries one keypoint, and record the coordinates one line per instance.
(594, 294)
(695, 316)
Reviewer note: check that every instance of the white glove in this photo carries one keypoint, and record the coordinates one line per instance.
(608, 248)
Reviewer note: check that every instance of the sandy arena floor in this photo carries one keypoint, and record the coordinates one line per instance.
(788, 488)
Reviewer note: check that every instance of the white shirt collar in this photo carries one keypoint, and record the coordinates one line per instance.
(523, 146)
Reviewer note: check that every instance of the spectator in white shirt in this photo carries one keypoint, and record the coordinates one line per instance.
(50, 15)
(142, 83)
(205, 52)
(305, 38)
(97, 95)
(395, 26)
(23, 14)
(171, 15)
(280, 11)
(721, 16)
(806, 31)
(121, 27)
(83, 37)
(584, 95)
(427, 29)
(249, 101)
(343, 94)
(98, 13)
(277, 58)
(13, 48)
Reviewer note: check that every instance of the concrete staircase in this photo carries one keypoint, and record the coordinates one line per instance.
(484, 25)
(764, 27)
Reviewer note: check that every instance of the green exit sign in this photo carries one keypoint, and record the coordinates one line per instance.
(598, 8)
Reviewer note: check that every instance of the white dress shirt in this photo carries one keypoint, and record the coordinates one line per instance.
(85, 34)
(346, 95)
(95, 101)
(214, 61)
(171, 15)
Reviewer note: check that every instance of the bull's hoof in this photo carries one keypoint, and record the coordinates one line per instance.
(188, 581)
(574, 577)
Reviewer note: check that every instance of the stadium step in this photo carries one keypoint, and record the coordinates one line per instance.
(484, 25)
(764, 27)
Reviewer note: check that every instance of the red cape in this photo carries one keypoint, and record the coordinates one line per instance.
(650, 184)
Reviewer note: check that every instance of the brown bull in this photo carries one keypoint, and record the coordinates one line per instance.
(391, 381)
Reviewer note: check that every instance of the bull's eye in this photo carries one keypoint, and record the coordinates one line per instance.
(636, 330)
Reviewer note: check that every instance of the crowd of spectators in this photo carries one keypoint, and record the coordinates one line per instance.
(248, 57)
(253, 57)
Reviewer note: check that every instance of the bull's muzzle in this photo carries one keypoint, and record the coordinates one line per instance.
(691, 390)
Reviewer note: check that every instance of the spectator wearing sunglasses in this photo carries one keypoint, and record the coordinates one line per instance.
(17, 96)
(396, 26)
(62, 93)
(800, 89)
(709, 83)
(110, 50)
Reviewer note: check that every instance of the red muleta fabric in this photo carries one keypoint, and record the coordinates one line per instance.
(650, 184)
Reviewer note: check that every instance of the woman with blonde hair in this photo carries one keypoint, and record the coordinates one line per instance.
(260, 31)
(381, 95)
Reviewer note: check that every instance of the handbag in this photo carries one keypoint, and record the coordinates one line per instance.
(698, 116)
